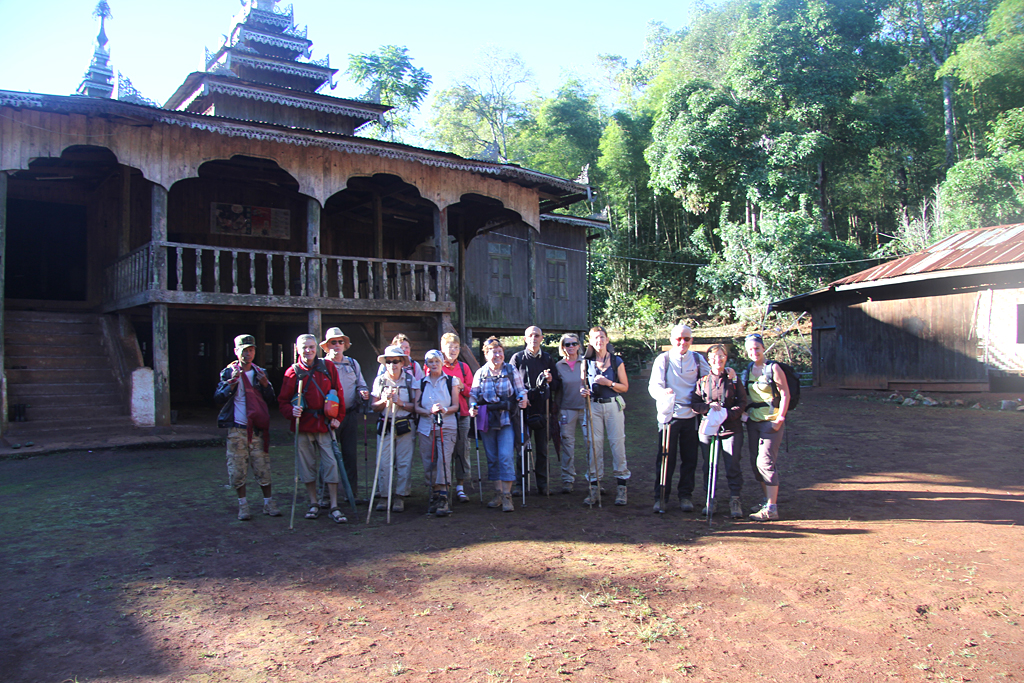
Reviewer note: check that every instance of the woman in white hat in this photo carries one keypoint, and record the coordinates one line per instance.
(394, 387)
(355, 391)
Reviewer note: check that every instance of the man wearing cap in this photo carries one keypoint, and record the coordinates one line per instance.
(335, 344)
(312, 424)
(394, 387)
(246, 394)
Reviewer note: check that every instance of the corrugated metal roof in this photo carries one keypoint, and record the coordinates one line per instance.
(1000, 245)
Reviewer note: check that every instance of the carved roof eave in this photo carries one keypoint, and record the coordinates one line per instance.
(280, 134)
(262, 95)
(301, 69)
(193, 87)
(298, 45)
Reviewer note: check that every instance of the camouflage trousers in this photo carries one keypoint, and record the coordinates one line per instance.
(242, 454)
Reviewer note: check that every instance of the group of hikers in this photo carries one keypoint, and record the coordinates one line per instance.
(509, 407)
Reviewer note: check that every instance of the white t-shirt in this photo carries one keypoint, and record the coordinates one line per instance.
(241, 417)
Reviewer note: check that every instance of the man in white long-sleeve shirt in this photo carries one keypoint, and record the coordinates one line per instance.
(673, 377)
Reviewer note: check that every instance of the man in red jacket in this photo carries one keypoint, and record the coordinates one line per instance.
(318, 378)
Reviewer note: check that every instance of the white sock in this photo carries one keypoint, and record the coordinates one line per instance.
(242, 501)
(459, 487)
(266, 501)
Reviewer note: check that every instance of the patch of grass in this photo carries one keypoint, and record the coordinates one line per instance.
(398, 668)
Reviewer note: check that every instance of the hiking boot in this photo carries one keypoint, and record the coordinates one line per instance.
(398, 504)
(567, 487)
(620, 494)
(685, 504)
(767, 513)
(270, 508)
(432, 506)
(496, 501)
(506, 503)
(735, 508)
(704, 510)
(442, 509)
(381, 506)
(593, 497)
(658, 509)
(243, 511)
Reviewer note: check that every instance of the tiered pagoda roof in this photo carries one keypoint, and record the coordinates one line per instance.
(99, 79)
(263, 72)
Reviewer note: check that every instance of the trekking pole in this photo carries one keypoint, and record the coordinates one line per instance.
(663, 466)
(523, 482)
(295, 490)
(439, 423)
(341, 469)
(547, 434)
(394, 460)
(432, 476)
(591, 460)
(479, 473)
(715, 445)
(366, 451)
(376, 471)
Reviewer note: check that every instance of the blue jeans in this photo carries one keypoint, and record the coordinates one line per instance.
(499, 445)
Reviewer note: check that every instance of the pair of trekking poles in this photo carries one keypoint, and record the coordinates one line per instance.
(663, 474)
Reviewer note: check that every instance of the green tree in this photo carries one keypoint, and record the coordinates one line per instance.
(390, 79)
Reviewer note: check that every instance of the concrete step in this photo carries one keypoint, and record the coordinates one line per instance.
(52, 376)
(32, 350)
(14, 337)
(55, 317)
(57, 362)
(68, 425)
(64, 393)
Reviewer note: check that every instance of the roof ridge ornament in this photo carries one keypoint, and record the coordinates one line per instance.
(98, 80)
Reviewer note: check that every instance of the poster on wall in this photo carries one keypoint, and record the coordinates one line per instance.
(250, 221)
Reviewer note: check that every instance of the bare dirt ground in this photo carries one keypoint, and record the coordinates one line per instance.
(899, 556)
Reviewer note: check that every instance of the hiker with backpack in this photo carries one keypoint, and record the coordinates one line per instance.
(571, 407)
(394, 387)
(769, 392)
(311, 422)
(246, 394)
(497, 394)
(451, 345)
(673, 378)
(606, 380)
(717, 389)
(438, 401)
(354, 391)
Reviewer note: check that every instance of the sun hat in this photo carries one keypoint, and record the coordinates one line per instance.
(334, 333)
(393, 352)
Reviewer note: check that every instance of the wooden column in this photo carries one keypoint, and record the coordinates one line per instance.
(161, 367)
(3, 295)
(158, 233)
(378, 245)
(441, 250)
(125, 228)
(161, 355)
(531, 276)
(313, 265)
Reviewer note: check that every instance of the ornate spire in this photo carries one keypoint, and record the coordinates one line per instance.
(99, 79)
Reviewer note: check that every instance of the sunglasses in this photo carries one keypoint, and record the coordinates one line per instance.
(392, 361)
(685, 339)
(571, 344)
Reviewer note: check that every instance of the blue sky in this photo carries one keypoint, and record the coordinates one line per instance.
(46, 45)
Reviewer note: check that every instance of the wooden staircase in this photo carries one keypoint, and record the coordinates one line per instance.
(57, 366)
(420, 339)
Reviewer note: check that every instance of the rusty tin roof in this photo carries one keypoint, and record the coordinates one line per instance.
(1000, 245)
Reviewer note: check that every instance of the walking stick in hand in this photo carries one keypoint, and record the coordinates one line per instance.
(394, 460)
(715, 447)
(376, 473)
(479, 473)
(295, 490)
(663, 468)
(592, 470)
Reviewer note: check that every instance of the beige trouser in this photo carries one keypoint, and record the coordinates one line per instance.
(610, 421)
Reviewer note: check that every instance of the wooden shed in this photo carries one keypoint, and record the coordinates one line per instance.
(138, 239)
(949, 318)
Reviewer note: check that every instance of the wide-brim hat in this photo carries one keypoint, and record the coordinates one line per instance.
(393, 352)
(334, 333)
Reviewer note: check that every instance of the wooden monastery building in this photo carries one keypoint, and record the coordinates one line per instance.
(949, 318)
(138, 240)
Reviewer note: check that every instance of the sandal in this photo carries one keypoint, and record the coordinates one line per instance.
(313, 512)
(337, 516)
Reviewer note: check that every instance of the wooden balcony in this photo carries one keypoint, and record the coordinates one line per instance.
(192, 274)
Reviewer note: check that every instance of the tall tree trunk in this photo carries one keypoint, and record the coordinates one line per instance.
(823, 196)
(949, 120)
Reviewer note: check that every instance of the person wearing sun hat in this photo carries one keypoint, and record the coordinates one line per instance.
(354, 391)
(395, 386)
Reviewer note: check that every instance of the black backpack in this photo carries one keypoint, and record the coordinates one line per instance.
(792, 379)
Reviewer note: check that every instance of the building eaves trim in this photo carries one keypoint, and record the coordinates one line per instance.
(300, 45)
(82, 105)
(291, 68)
(300, 102)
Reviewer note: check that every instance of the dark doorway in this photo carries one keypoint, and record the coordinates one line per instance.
(46, 251)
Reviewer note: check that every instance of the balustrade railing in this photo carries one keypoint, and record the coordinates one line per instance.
(201, 269)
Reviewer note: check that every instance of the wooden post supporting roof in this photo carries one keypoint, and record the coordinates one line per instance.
(315, 323)
(161, 354)
(3, 267)
(531, 277)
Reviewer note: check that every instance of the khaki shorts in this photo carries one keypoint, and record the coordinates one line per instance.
(242, 454)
